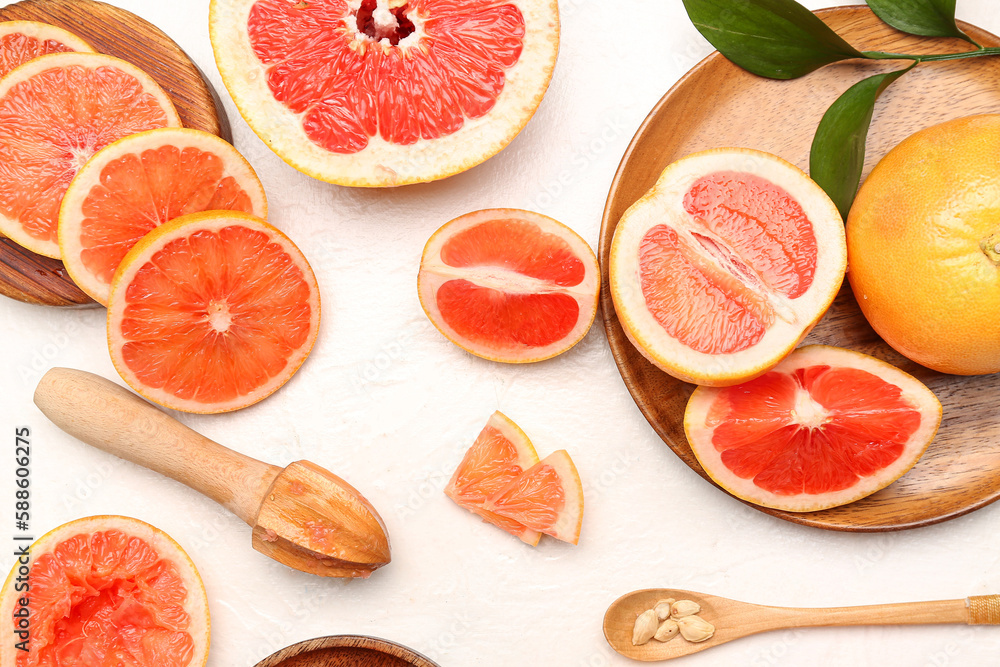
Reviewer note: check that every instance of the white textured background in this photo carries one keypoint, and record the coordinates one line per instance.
(389, 404)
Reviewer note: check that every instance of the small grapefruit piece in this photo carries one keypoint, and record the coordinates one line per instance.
(21, 41)
(56, 111)
(106, 590)
(385, 92)
(547, 497)
(500, 453)
(923, 239)
(827, 426)
(140, 182)
(725, 265)
(509, 285)
(212, 312)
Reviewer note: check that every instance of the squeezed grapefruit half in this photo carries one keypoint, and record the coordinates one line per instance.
(21, 41)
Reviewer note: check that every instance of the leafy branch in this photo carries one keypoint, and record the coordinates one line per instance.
(781, 39)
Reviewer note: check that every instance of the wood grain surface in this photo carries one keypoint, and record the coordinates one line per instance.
(346, 651)
(717, 104)
(32, 278)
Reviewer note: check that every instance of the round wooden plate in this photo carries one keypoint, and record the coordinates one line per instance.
(346, 651)
(717, 104)
(26, 276)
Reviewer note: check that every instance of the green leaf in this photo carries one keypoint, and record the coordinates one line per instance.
(928, 18)
(778, 39)
(837, 155)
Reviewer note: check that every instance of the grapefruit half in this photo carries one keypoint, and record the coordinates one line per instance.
(725, 265)
(509, 285)
(56, 111)
(140, 182)
(105, 590)
(385, 92)
(827, 426)
(212, 312)
(21, 41)
(500, 453)
(547, 497)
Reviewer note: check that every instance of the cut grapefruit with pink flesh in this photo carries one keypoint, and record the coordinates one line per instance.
(105, 590)
(212, 312)
(547, 497)
(500, 453)
(140, 182)
(56, 111)
(725, 265)
(21, 41)
(827, 426)
(509, 285)
(385, 92)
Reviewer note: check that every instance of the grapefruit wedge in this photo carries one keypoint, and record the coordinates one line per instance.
(500, 453)
(827, 426)
(509, 285)
(21, 41)
(56, 111)
(547, 497)
(725, 265)
(212, 312)
(140, 182)
(385, 92)
(105, 590)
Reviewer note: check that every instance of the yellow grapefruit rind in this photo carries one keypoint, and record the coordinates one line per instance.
(196, 604)
(12, 228)
(434, 272)
(154, 241)
(699, 434)
(384, 164)
(664, 200)
(71, 211)
(526, 457)
(44, 32)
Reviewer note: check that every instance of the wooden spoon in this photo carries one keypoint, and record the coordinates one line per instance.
(733, 619)
(302, 516)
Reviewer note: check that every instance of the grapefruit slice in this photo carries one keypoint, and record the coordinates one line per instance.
(509, 285)
(105, 590)
(725, 265)
(500, 453)
(385, 92)
(212, 312)
(827, 426)
(21, 41)
(140, 182)
(547, 497)
(56, 111)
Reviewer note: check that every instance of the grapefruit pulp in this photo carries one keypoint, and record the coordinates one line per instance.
(21, 41)
(140, 182)
(107, 590)
(500, 453)
(509, 285)
(385, 92)
(825, 427)
(56, 111)
(212, 312)
(725, 265)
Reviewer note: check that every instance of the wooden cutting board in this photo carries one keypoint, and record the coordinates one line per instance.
(346, 651)
(32, 278)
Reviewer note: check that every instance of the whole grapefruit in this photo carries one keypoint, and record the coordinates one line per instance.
(923, 243)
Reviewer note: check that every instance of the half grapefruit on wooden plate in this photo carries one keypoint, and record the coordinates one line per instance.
(105, 590)
(725, 265)
(21, 41)
(509, 285)
(140, 182)
(212, 312)
(385, 92)
(825, 427)
(500, 453)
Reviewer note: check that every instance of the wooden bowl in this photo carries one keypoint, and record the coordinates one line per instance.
(717, 104)
(346, 651)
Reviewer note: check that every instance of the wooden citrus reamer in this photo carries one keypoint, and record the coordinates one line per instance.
(302, 515)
